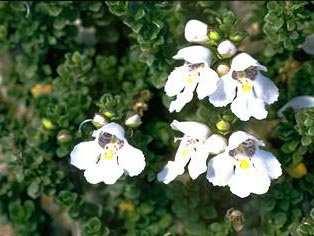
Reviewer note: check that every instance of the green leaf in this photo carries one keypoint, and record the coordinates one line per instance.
(33, 189)
(66, 198)
(92, 226)
(280, 219)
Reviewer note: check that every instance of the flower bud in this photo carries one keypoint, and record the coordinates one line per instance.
(223, 126)
(226, 49)
(236, 38)
(63, 136)
(217, 142)
(196, 31)
(222, 69)
(214, 36)
(47, 123)
(41, 89)
(298, 171)
(236, 218)
(108, 114)
(99, 120)
(126, 206)
(133, 121)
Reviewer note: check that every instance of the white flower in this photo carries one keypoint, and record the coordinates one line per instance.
(195, 146)
(308, 45)
(226, 49)
(194, 73)
(297, 103)
(196, 31)
(246, 88)
(244, 167)
(222, 69)
(108, 156)
(99, 120)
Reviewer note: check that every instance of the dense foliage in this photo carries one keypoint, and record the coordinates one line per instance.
(62, 62)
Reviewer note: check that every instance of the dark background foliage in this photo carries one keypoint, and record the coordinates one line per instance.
(62, 62)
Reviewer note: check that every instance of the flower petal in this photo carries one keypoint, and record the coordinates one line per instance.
(256, 107)
(271, 163)
(220, 169)
(265, 89)
(176, 167)
(85, 154)
(194, 54)
(207, 84)
(169, 172)
(110, 128)
(253, 180)
(191, 128)
(243, 61)
(308, 45)
(175, 82)
(240, 107)
(107, 171)
(297, 103)
(197, 163)
(246, 105)
(131, 159)
(183, 154)
(225, 92)
(182, 99)
(239, 137)
(215, 144)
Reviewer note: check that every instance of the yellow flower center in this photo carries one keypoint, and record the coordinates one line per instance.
(185, 152)
(109, 152)
(246, 85)
(297, 171)
(245, 164)
(193, 75)
(190, 78)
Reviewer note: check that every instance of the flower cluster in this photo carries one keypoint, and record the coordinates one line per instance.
(239, 163)
(244, 85)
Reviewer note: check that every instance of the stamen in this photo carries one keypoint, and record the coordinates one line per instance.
(249, 73)
(190, 144)
(104, 139)
(195, 66)
(249, 143)
(250, 151)
(193, 73)
(233, 152)
(247, 148)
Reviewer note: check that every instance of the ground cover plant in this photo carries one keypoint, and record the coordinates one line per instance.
(157, 118)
